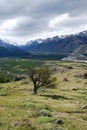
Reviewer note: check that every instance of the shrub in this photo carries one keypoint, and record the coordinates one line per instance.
(5, 78)
(45, 112)
(85, 75)
(45, 119)
(4, 92)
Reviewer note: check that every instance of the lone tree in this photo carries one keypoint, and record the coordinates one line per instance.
(41, 78)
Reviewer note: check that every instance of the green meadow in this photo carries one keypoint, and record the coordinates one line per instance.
(60, 108)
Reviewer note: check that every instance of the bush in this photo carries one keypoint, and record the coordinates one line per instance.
(5, 78)
(4, 92)
(45, 119)
(45, 112)
(85, 75)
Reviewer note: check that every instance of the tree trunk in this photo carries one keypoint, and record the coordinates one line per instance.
(35, 90)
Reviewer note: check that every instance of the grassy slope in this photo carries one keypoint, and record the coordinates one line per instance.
(20, 110)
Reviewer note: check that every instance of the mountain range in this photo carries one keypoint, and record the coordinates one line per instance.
(65, 45)
(74, 43)
(8, 49)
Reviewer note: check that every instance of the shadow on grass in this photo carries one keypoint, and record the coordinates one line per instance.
(77, 112)
(57, 97)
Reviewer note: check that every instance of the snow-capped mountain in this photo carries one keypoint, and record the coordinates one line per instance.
(10, 42)
(37, 41)
(8, 49)
(74, 43)
(7, 43)
(65, 44)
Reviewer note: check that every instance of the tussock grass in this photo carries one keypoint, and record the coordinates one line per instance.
(21, 110)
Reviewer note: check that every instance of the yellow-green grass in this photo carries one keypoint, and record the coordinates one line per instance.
(21, 110)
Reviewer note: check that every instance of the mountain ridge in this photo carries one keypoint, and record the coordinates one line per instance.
(64, 45)
(10, 50)
(74, 43)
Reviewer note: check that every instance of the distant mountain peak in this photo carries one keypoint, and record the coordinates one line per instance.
(6, 41)
(8, 49)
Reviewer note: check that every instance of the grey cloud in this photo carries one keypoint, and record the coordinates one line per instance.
(30, 26)
(41, 7)
(73, 22)
(34, 15)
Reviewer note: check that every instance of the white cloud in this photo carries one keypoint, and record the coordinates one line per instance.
(57, 20)
(8, 25)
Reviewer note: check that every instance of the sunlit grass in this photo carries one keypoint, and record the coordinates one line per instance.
(21, 110)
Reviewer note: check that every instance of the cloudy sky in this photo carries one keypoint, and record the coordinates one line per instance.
(24, 20)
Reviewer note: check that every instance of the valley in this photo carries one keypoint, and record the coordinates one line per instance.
(71, 47)
(63, 107)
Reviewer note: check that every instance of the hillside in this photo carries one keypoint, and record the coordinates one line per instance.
(62, 108)
(75, 43)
